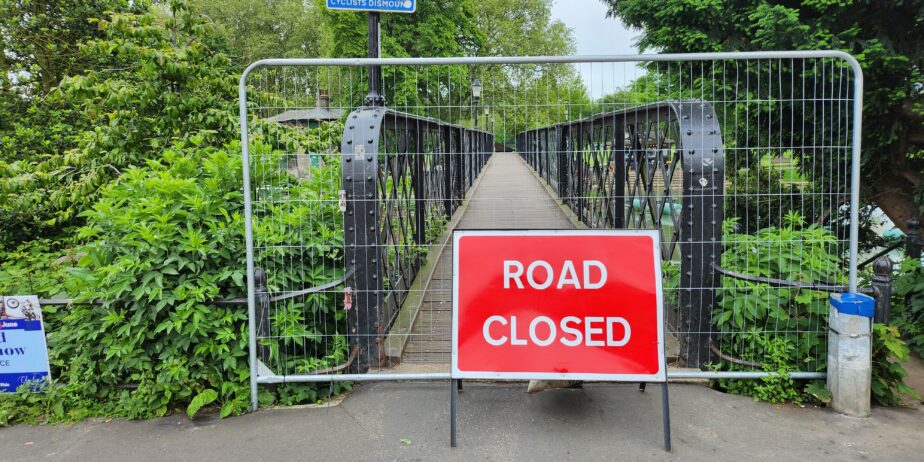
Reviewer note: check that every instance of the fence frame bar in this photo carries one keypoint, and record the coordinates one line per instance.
(688, 57)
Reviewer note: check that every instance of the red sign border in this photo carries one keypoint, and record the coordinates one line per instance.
(455, 373)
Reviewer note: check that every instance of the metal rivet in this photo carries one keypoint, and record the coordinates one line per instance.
(348, 159)
(372, 228)
(352, 127)
(370, 141)
(708, 116)
(368, 195)
(350, 228)
(372, 212)
(369, 178)
(689, 132)
(349, 141)
(369, 158)
(349, 178)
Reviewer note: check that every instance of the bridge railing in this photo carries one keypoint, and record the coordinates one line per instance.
(658, 166)
(403, 177)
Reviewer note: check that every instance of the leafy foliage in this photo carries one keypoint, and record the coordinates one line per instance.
(267, 29)
(153, 188)
(166, 240)
(908, 304)
(149, 86)
(781, 329)
(884, 36)
(889, 351)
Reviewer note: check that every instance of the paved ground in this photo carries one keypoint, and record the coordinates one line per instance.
(410, 421)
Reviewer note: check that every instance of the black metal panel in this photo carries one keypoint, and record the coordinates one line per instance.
(359, 148)
(702, 214)
(623, 169)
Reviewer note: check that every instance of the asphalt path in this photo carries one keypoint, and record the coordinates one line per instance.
(410, 421)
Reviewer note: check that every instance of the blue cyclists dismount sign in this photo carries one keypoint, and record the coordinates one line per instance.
(387, 6)
(23, 352)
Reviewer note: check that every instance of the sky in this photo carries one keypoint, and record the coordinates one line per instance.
(598, 35)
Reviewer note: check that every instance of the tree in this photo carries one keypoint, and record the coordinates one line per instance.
(886, 37)
(266, 29)
(40, 45)
(41, 39)
(148, 85)
(520, 94)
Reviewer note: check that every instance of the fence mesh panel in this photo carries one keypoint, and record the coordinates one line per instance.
(744, 165)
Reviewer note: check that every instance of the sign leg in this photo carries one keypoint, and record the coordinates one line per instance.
(666, 416)
(453, 398)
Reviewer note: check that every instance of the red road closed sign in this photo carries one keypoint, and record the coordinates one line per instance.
(574, 305)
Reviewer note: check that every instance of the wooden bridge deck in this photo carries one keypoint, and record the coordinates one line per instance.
(507, 195)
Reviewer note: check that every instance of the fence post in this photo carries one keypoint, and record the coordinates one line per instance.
(458, 158)
(420, 195)
(913, 238)
(564, 143)
(850, 353)
(882, 289)
(359, 163)
(619, 177)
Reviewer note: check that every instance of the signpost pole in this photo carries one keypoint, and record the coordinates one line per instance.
(453, 401)
(375, 97)
(666, 416)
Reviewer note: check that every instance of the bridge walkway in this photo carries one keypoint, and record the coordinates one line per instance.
(507, 195)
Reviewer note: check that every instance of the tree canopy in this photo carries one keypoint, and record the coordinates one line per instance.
(886, 37)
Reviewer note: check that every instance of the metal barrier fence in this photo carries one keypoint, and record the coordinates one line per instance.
(747, 162)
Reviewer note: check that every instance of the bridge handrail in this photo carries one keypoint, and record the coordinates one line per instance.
(603, 164)
(403, 177)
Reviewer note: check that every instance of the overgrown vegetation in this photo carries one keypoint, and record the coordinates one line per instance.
(774, 329)
(120, 185)
(782, 330)
(143, 225)
(908, 304)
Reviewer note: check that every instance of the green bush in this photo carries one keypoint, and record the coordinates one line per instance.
(758, 198)
(165, 241)
(908, 304)
(889, 351)
(779, 329)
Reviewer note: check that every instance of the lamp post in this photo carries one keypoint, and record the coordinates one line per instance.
(476, 95)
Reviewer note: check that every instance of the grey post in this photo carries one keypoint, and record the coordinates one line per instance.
(850, 353)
